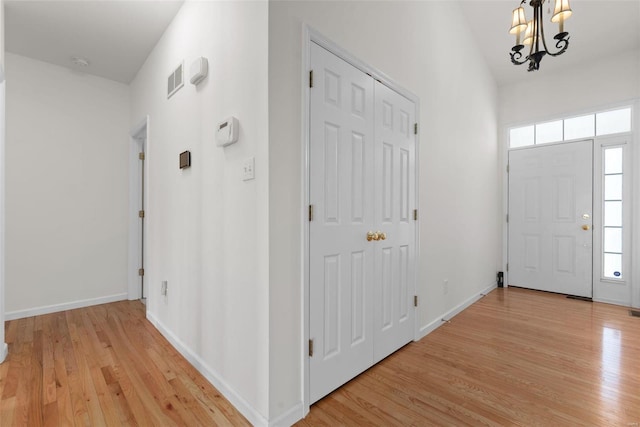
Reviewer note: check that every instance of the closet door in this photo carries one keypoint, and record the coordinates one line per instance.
(362, 235)
(341, 194)
(394, 266)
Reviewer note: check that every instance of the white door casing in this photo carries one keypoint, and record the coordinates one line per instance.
(362, 179)
(550, 218)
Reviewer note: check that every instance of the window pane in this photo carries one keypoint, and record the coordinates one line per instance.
(613, 160)
(613, 214)
(549, 132)
(579, 127)
(613, 266)
(521, 137)
(613, 187)
(612, 239)
(613, 121)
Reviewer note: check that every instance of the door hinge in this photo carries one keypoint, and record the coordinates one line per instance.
(507, 168)
(141, 272)
(141, 214)
(415, 214)
(507, 267)
(311, 78)
(141, 156)
(310, 213)
(415, 300)
(310, 348)
(507, 218)
(415, 128)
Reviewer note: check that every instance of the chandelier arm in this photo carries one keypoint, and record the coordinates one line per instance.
(562, 45)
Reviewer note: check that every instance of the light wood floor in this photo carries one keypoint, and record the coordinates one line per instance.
(102, 365)
(516, 357)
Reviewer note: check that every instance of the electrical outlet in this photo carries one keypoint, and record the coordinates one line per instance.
(164, 285)
(445, 286)
(248, 169)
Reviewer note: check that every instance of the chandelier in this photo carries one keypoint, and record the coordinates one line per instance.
(534, 33)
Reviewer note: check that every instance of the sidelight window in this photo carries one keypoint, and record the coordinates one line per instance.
(612, 215)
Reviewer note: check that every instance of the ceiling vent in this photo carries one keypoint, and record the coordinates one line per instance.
(175, 81)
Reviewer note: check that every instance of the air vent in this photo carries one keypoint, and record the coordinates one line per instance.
(634, 313)
(175, 81)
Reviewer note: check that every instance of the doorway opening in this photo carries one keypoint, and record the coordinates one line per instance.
(137, 205)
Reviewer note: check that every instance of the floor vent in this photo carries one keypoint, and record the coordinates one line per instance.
(579, 298)
(634, 313)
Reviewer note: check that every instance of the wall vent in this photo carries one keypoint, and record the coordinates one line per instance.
(634, 313)
(175, 81)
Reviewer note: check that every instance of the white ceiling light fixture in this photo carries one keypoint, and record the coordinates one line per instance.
(79, 61)
(534, 32)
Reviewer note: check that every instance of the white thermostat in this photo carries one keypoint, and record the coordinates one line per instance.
(227, 132)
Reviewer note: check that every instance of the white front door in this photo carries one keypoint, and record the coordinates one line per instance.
(362, 181)
(550, 218)
(342, 195)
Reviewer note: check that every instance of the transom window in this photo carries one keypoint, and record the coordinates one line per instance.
(571, 128)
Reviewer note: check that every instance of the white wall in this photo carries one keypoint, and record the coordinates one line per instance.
(66, 193)
(427, 49)
(207, 228)
(586, 88)
(3, 346)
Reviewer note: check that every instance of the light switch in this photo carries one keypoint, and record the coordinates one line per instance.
(248, 169)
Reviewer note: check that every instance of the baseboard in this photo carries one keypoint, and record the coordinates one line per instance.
(296, 413)
(249, 412)
(4, 352)
(430, 327)
(36, 311)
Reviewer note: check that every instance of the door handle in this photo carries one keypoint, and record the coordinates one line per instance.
(381, 235)
(585, 227)
(372, 236)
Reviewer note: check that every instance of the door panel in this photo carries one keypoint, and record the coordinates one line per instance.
(394, 199)
(550, 205)
(341, 192)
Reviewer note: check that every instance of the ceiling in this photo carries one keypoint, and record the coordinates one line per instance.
(114, 36)
(597, 29)
(117, 36)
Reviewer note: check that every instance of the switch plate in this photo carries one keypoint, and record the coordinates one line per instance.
(248, 169)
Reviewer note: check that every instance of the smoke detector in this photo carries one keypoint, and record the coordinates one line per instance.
(81, 62)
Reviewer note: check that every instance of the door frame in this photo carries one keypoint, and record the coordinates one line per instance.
(634, 190)
(310, 35)
(138, 142)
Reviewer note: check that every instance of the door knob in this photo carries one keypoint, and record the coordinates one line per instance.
(585, 227)
(372, 236)
(381, 235)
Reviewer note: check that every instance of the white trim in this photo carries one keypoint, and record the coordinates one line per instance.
(46, 309)
(311, 35)
(138, 138)
(4, 353)
(290, 417)
(427, 329)
(248, 411)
